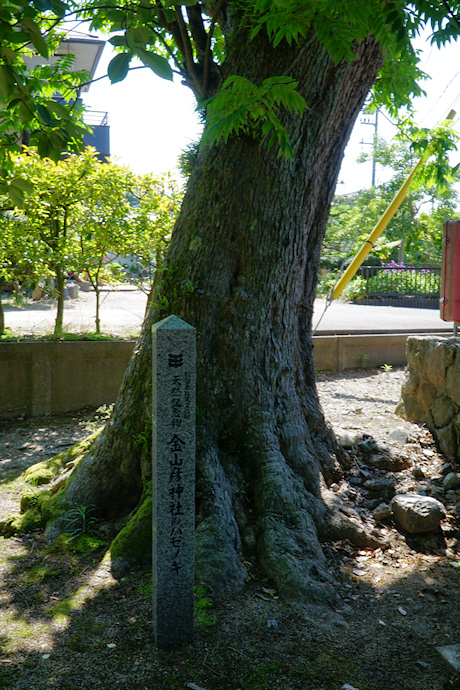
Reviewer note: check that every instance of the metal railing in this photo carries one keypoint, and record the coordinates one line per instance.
(398, 284)
(96, 118)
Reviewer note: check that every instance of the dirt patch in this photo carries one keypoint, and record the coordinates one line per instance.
(66, 623)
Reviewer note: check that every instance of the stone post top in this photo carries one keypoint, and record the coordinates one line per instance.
(171, 322)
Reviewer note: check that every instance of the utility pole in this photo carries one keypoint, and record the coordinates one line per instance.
(367, 119)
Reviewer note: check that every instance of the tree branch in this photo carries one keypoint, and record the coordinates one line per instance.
(199, 35)
(188, 50)
(208, 53)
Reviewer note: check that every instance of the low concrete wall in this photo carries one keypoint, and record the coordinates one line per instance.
(340, 352)
(42, 378)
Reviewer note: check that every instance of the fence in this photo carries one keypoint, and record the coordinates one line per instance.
(403, 286)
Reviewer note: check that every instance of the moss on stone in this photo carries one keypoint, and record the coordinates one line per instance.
(29, 500)
(133, 544)
(40, 508)
(26, 522)
(43, 472)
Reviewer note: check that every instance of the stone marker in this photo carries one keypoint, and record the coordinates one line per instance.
(173, 480)
(451, 654)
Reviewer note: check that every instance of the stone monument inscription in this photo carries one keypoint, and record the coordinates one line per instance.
(173, 480)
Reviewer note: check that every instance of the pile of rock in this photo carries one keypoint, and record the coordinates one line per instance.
(416, 497)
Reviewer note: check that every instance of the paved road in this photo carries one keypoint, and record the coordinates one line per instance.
(342, 318)
(122, 313)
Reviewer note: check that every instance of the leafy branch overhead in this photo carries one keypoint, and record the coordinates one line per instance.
(244, 107)
(192, 40)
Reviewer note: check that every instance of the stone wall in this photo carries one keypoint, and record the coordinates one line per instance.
(431, 391)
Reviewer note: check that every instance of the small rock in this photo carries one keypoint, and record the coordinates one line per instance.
(457, 510)
(417, 514)
(350, 493)
(418, 473)
(437, 492)
(355, 481)
(451, 497)
(372, 503)
(368, 446)
(72, 290)
(382, 512)
(345, 439)
(446, 468)
(348, 687)
(423, 664)
(400, 435)
(451, 481)
(380, 484)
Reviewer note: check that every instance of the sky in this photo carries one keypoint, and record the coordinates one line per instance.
(153, 120)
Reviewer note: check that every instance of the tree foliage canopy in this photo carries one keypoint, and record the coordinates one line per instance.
(414, 233)
(190, 39)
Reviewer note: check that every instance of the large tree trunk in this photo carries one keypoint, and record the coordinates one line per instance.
(249, 237)
(60, 280)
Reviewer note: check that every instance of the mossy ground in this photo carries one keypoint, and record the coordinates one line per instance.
(67, 623)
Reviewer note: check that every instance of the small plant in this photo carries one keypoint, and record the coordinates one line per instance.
(365, 360)
(355, 289)
(81, 520)
(190, 287)
(386, 367)
(143, 439)
(100, 417)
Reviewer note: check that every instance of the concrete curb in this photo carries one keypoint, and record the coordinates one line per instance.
(41, 378)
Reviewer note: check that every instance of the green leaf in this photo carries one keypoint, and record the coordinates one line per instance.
(58, 109)
(119, 67)
(59, 7)
(18, 37)
(118, 40)
(7, 81)
(16, 195)
(33, 30)
(141, 35)
(45, 114)
(23, 185)
(9, 53)
(158, 64)
(43, 5)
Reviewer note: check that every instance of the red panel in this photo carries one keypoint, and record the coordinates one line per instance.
(450, 274)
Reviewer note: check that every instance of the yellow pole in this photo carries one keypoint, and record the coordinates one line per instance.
(381, 225)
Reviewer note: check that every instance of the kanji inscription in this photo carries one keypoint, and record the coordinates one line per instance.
(173, 480)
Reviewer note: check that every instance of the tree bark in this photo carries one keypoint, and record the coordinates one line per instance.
(249, 236)
(59, 274)
(2, 314)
